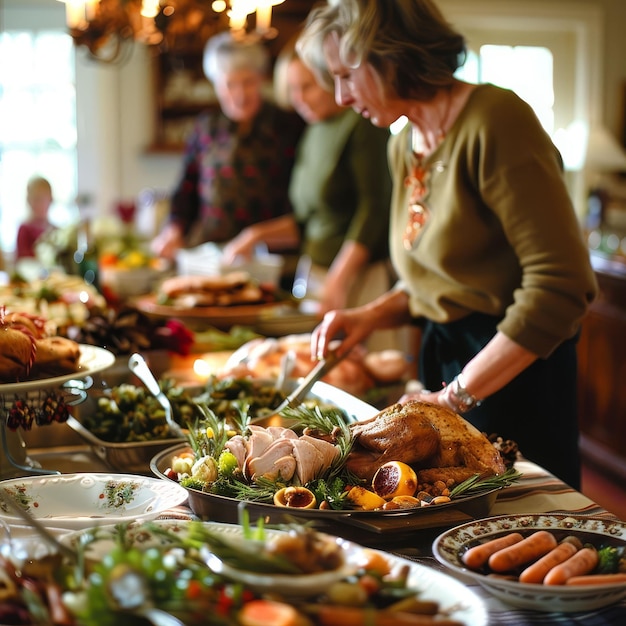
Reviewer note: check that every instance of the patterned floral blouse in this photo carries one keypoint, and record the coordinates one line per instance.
(233, 178)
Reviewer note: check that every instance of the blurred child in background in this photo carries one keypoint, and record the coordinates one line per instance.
(39, 199)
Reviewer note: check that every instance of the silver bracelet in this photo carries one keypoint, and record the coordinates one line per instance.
(458, 398)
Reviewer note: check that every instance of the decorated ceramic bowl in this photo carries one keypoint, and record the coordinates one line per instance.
(450, 546)
(83, 500)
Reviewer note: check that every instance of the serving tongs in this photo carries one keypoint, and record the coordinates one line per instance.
(322, 367)
(138, 366)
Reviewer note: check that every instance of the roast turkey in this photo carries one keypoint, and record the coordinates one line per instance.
(434, 440)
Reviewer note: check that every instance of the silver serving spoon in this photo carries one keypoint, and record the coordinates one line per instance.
(139, 367)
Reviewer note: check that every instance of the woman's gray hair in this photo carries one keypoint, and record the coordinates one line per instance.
(223, 54)
(410, 44)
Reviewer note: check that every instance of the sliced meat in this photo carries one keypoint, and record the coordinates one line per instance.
(309, 460)
(258, 441)
(280, 431)
(328, 451)
(239, 447)
(273, 463)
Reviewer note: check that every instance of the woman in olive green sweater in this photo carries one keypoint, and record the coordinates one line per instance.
(340, 190)
(490, 255)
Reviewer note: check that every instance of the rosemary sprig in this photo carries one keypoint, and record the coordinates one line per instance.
(317, 418)
(478, 483)
(208, 435)
(333, 491)
(262, 490)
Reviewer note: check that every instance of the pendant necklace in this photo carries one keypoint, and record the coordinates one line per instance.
(418, 143)
(417, 179)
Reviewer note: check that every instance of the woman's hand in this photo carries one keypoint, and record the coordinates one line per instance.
(415, 390)
(280, 233)
(168, 242)
(354, 325)
(240, 246)
(499, 362)
(351, 324)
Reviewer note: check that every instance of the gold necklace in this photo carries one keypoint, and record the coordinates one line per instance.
(418, 138)
(416, 181)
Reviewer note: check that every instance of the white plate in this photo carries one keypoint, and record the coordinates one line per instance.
(286, 320)
(85, 499)
(92, 360)
(20, 543)
(454, 598)
(450, 546)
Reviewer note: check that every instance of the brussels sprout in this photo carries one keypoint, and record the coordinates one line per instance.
(227, 463)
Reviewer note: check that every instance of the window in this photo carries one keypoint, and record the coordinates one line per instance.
(37, 125)
(526, 70)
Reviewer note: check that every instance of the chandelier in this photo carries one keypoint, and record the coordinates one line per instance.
(106, 27)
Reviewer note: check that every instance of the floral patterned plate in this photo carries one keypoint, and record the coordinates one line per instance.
(83, 500)
(449, 547)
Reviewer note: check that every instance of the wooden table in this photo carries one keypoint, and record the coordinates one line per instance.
(536, 492)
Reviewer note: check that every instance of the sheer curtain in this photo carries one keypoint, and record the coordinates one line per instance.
(37, 125)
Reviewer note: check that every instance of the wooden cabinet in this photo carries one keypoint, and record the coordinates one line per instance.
(602, 372)
(181, 92)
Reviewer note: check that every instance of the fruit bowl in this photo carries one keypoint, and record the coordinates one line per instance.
(128, 282)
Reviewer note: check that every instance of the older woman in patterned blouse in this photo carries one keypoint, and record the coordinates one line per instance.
(238, 159)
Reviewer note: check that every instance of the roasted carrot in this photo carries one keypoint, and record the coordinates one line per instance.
(329, 615)
(525, 551)
(583, 562)
(536, 572)
(478, 555)
(597, 579)
(269, 613)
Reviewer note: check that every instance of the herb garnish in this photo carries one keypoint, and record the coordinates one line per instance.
(478, 483)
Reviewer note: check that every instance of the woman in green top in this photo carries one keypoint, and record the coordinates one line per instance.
(340, 190)
(489, 252)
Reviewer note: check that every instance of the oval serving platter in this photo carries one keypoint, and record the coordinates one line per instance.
(225, 509)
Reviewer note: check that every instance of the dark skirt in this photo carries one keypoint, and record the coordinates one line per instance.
(537, 409)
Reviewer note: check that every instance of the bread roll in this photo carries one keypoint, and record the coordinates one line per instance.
(17, 353)
(33, 324)
(180, 285)
(386, 366)
(55, 356)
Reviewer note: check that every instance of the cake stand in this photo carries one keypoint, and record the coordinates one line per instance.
(43, 401)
